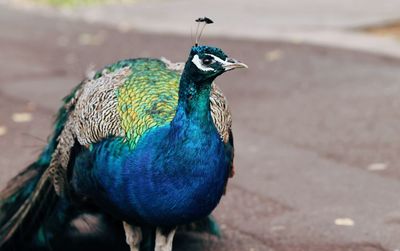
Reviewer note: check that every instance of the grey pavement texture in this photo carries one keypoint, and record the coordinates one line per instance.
(316, 129)
(335, 23)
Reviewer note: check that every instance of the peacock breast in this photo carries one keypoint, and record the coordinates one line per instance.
(180, 182)
(168, 184)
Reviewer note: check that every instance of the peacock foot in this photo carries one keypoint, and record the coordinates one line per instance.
(133, 236)
(164, 240)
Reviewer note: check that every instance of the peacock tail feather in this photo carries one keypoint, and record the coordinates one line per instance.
(29, 197)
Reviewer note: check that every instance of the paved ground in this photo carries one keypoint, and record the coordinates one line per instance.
(316, 129)
(336, 23)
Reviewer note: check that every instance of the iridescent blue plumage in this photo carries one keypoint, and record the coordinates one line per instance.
(121, 150)
(176, 173)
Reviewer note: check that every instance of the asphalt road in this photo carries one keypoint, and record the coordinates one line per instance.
(316, 129)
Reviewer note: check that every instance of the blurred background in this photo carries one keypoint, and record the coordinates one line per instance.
(316, 116)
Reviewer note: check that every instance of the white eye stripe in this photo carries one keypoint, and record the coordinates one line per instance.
(216, 58)
(197, 62)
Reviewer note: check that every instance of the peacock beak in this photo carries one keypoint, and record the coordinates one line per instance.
(230, 64)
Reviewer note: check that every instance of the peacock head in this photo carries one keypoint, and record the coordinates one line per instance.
(205, 63)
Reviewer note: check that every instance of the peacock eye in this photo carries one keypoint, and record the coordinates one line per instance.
(207, 61)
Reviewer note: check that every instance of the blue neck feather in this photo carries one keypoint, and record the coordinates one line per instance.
(194, 102)
(193, 114)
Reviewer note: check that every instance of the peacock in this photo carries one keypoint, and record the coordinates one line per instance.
(144, 141)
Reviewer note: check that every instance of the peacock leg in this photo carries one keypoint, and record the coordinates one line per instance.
(133, 236)
(164, 240)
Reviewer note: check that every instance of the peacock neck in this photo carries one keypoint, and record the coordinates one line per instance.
(194, 101)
